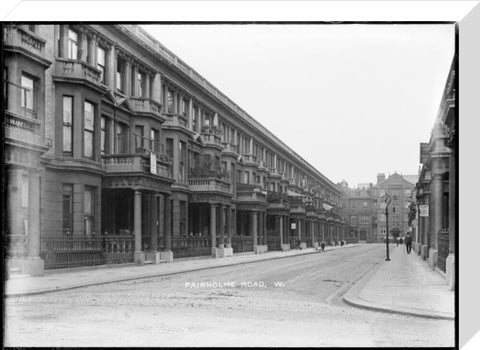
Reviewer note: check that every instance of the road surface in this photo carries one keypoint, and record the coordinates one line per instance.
(294, 301)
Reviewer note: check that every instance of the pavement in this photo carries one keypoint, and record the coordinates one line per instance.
(65, 279)
(404, 285)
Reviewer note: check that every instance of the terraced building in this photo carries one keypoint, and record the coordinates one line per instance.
(116, 151)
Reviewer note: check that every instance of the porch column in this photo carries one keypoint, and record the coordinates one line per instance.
(426, 222)
(234, 222)
(168, 223)
(253, 228)
(437, 199)
(213, 225)
(264, 214)
(33, 264)
(229, 226)
(312, 231)
(261, 239)
(137, 227)
(153, 222)
(280, 227)
(221, 243)
(299, 230)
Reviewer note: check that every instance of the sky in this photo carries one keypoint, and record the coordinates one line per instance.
(352, 100)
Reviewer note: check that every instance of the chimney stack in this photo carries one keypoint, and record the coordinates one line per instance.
(380, 177)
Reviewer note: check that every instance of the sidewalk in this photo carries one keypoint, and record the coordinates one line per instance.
(405, 285)
(74, 278)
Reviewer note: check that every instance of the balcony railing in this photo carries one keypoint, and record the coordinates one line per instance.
(230, 147)
(250, 159)
(211, 139)
(297, 209)
(20, 37)
(251, 192)
(209, 185)
(177, 120)
(77, 70)
(132, 163)
(274, 172)
(144, 105)
(22, 128)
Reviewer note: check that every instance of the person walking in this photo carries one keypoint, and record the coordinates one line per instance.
(408, 243)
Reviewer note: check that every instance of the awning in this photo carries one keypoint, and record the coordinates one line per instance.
(327, 207)
(293, 194)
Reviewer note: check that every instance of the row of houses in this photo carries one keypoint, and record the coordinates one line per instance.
(116, 151)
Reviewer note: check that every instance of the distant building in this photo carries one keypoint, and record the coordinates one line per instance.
(400, 191)
(359, 205)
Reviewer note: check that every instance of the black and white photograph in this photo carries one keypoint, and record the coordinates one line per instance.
(231, 184)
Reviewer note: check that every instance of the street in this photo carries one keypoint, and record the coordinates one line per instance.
(292, 301)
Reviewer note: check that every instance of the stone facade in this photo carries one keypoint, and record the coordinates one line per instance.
(117, 150)
(437, 184)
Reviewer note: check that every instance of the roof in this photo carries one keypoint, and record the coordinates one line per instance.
(391, 179)
(413, 179)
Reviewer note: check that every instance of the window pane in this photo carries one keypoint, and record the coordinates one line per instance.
(88, 202)
(170, 101)
(88, 144)
(101, 56)
(72, 35)
(67, 139)
(88, 116)
(67, 110)
(27, 92)
(102, 134)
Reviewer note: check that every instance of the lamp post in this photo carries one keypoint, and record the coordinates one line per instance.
(387, 199)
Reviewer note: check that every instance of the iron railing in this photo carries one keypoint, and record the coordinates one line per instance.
(242, 244)
(294, 242)
(273, 242)
(183, 247)
(63, 251)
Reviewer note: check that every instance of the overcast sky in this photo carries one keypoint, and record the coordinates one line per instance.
(352, 100)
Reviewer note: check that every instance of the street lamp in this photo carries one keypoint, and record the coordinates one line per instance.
(387, 199)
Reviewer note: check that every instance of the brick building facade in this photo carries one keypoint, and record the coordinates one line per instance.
(400, 190)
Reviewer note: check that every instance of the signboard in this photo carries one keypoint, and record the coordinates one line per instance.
(423, 210)
(153, 163)
(294, 225)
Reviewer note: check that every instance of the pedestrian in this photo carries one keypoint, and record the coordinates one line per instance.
(408, 243)
(323, 246)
